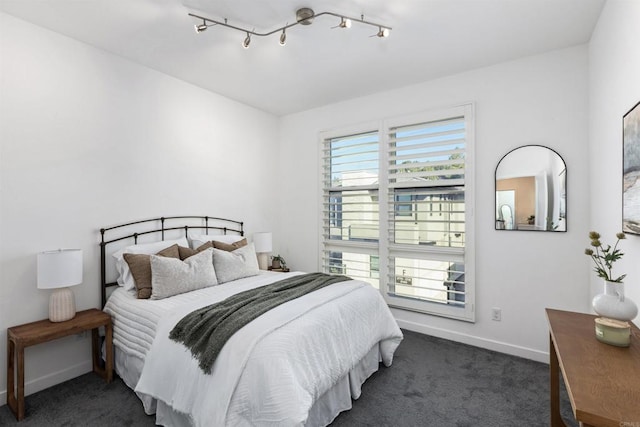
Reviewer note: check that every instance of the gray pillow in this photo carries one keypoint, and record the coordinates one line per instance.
(237, 264)
(170, 276)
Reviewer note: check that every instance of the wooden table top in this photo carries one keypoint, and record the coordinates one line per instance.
(603, 381)
(45, 330)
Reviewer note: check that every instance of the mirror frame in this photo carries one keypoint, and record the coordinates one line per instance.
(563, 191)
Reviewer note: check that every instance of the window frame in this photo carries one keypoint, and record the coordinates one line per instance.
(384, 248)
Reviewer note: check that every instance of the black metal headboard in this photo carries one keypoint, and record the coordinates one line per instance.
(159, 225)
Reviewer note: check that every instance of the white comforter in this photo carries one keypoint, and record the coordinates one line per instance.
(274, 369)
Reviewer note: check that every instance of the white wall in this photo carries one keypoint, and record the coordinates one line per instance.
(538, 100)
(614, 87)
(88, 139)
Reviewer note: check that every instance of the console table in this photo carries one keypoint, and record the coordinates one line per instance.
(603, 381)
(19, 337)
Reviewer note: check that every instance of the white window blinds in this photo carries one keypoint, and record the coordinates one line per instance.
(350, 208)
(427, 221)
(432, 151)
(351, 204)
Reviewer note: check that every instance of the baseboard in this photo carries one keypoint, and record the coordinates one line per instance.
(499, 346)
(46, 381)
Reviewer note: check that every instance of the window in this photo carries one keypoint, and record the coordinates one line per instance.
(397, 209)
(350, 204)
(374, 266)
(336, 266)
(405, 204)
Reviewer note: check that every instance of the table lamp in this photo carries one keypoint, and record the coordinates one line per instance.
(58, 270)
(263, 244)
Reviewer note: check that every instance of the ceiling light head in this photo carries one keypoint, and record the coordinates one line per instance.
(283, 38)
(305, 16)
(383, 32)
(345, 23)
(247, 41)
(201, 27)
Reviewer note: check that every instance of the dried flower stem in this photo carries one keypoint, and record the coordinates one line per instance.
(604, 258)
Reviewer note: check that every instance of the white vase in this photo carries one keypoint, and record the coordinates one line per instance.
(613, 304)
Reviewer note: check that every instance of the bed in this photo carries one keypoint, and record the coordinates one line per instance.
(299, 363)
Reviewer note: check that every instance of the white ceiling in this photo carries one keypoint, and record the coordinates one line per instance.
(318, 65)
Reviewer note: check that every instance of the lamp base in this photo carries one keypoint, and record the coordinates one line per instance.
(62, 305)
(263, 260)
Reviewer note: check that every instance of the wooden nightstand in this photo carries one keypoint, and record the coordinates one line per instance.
(20, 337)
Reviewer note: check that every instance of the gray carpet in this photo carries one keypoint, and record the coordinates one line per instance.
(432, 382)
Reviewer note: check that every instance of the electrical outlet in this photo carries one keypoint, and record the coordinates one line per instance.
(496, 314)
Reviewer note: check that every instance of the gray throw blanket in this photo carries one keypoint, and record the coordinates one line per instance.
(206, 330)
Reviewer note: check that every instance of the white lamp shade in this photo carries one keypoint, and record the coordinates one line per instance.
(263, 242)
(59, 269)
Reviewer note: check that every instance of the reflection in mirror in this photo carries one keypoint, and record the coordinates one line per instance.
(505, 199)
(531, 190)
(507, 216)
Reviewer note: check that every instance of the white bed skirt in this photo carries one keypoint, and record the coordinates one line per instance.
(322, 413)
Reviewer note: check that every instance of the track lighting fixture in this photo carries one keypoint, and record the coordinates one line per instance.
(383, 32)
(304, 16)
(345, 23)
(201, 27)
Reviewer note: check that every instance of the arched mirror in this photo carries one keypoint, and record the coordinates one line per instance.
(531, 183)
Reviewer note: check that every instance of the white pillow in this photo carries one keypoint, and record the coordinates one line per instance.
(234, 265)
(125, 278)
(170, 276)
(201, 239)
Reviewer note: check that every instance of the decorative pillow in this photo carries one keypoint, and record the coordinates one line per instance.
(234, 265)
(170, 276)
(229, 247)
(187, 252)
(124, 274)
(199, 240)
(140, 266)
